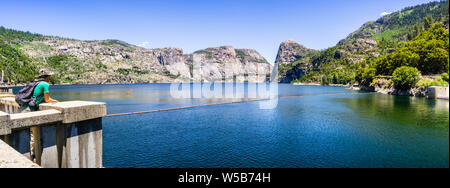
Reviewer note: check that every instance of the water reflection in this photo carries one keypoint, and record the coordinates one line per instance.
(412, 111)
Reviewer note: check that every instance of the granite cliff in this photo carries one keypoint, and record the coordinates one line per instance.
(292, 62)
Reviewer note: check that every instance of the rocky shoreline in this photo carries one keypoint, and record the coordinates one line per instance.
(383, 89)
(414, 92)
(434, 92)
(307, 84)
(318, 84)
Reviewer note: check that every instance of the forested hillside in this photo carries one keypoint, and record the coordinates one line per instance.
(380, 40)
(15, 64)
(402, 25)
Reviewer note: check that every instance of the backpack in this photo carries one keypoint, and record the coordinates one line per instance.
(25, 95)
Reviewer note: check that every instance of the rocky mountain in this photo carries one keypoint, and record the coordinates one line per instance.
(291, 51)
(372, 40)
(290, 61)
(295, 60)
(113, 61)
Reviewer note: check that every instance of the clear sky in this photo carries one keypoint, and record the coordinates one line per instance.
(197, 24)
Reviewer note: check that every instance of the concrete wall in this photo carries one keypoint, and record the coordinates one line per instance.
(10, 158)
(438, 92)
(20, 141)
(4, 123)
(83, 145)
(6, 95)
(9, 105)
(5, 90)
(68, 134)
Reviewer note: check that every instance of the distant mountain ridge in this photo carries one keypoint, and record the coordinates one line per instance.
(114, 61)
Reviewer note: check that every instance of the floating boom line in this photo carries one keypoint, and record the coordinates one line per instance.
(226, 103)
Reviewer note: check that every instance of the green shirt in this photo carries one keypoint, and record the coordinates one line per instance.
(41, 88)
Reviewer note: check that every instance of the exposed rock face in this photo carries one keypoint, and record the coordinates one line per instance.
(169, 56)
(101, 62)
(296, 72)
(384, 86)
(366, 31)
(295, 61)
(216, 64)
(356, 51)
(290, 68)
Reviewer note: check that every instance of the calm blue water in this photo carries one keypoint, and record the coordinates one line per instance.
(341, 130)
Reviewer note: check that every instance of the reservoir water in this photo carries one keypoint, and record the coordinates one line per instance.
(317, 127)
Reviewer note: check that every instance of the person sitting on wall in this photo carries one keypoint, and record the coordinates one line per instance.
(42, 95)
(41, 92)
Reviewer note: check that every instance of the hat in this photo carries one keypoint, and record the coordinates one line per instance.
(45, 73)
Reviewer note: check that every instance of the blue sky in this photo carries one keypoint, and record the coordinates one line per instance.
(197, 24)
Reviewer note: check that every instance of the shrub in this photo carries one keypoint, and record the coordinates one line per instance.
(365, 76)
(126, 72)
(57, 61)
(387, 64)
(311, 77)
(445, 77)
(381, 83)
(438, 81)
(428, 52)
(101, 66)
(405, 78)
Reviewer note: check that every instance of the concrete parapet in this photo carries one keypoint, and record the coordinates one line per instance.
(5, 89)
(76, 111)
(6, 95)
(32, 119)
(9, 105)
(9, 100)
(10, 158)
(4, 124)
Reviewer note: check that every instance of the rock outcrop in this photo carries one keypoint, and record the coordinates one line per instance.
(384, 86)
(357, 50)
(291, 61)
(291, 51)
(216, 64)
(366, 31)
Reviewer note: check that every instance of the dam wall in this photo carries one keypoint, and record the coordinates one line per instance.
(66, 134)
